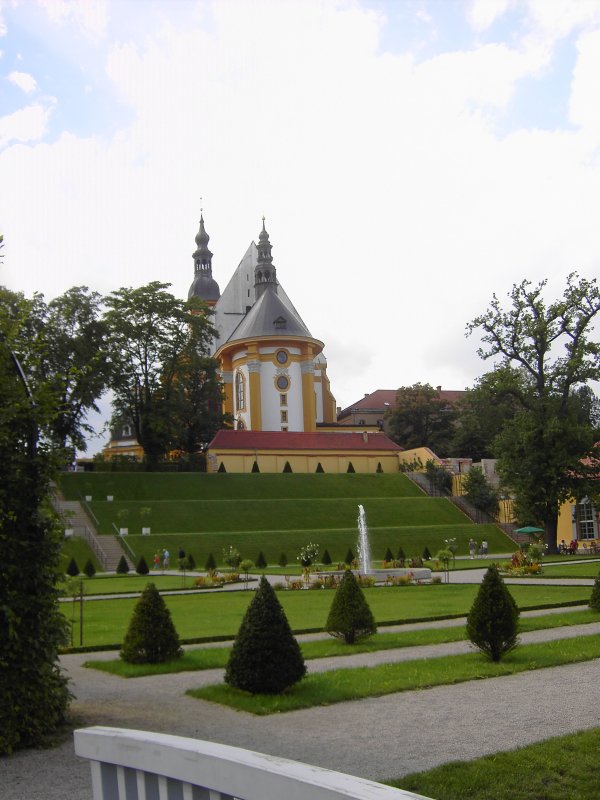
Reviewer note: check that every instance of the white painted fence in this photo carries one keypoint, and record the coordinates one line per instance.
(139, 765)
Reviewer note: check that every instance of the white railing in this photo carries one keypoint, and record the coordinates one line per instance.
(139, 765)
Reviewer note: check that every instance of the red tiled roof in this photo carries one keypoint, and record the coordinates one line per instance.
(382, 398)
(299, 440)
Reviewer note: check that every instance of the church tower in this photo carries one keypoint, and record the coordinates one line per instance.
(268, 361)
(204, 286)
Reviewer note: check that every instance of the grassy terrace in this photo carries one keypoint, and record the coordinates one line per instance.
(218, 615)
(275, 513)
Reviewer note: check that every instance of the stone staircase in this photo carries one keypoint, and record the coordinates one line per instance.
(107, 549)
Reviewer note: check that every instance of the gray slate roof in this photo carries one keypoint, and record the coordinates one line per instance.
(264, 319)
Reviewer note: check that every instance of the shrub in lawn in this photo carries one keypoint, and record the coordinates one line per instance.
(426, 554)
(492, 622)
(265, 657)
(326, 558)
(261, 561)
(595, 596)
(191, 563)
(283, 560)
(211, 564)
(73, 570)
(350, 617)
(389, 556)
(349, 557)
(89, 568)
(142, 567)
(401, 556)
(151, 637)
(122, 566)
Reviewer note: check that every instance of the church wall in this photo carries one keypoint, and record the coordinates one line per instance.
(271, 404)
(302, 462)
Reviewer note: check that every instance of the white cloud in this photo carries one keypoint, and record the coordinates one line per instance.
(585, 84)
(25, 125)
(89, 17)
(26, 82)
(483, 13)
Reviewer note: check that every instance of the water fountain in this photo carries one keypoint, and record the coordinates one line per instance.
(364, 551)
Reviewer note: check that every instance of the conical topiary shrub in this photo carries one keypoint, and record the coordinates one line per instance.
(89, 568)
(122, 566)
(326, 558)
(73, 570)
(191, 561)
(595, 596)
(261, 561)
(492, 623)
(389, 556)
(265, 657)
(142, 566)
(210, 563)
(283, 560)
(349, 557)
(401, 556)
(151, 637)
(426, 554)
(350, 617)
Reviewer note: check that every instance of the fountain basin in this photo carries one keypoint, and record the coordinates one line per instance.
(419, 574)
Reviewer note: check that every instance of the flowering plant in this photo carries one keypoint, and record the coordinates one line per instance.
(308, 554)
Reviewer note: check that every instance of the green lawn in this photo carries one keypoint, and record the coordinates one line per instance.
(218, 614)
(342, 685)
(562, 768)
(214, 657)
(591, 569)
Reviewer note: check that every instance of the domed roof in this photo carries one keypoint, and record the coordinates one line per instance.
(205, 287)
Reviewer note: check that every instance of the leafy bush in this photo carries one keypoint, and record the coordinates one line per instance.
(151, 637)
(122, 566)
(350, 617)
(142, 567)
(265, 657)
(73, 570)
(595, 596)
(232, 556)
(492, 622)
(89, 568)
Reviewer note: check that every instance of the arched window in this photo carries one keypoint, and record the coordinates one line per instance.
(240, 391)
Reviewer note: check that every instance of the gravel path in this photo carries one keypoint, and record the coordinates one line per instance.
(376, 738)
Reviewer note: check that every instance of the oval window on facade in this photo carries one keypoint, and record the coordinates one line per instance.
(283, 383)
(282, 356)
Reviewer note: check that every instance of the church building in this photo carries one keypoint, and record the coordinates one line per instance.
(275, 377)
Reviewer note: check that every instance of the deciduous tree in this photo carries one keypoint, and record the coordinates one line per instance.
(422, 418)
(543, 448)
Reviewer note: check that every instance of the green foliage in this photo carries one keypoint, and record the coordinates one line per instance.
(426, 554)
(210, 564)
(401, 554)
(261, 561)
(492, 622)
(73, 569)
(421, 418)
(349, 557)
(265, 657)
(389, 556)
(142, 566)
(255, 467)
(319, 468)
(283, 560)
(440, 480)
(191, 563)
(479, 492)
(543, 449)
(287, 467)
(89, 568)
(232, 556)
(326, 558)
(122, 566)
(595, 596)
(350, 617)
(151, 637)
(164, 382)
(350, 467)
(33, 692)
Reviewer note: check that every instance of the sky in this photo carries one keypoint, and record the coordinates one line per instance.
(411, 158)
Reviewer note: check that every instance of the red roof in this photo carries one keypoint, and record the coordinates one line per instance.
(300, 440)
(381, 399)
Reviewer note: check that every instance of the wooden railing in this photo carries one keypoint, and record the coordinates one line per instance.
(139, 765)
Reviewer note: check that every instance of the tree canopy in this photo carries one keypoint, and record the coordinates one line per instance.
(422, 418)
(542, 449)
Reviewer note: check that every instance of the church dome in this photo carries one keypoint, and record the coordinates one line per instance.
(205, 287)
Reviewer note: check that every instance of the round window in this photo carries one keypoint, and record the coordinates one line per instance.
(282, 383)
(282, 356)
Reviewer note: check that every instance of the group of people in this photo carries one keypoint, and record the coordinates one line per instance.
(474, 550)
(161, 556)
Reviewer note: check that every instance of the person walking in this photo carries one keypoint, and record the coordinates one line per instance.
(156, 561)
(484, 548)
(472, 547)
(166, 557)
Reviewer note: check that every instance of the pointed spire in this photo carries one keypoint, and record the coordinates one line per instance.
(265, 274)
(202, 256)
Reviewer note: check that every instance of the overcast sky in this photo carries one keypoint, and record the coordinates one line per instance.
(411, 158)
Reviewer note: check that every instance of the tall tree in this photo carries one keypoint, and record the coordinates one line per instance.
(33, 692)
(542, 448)
(422, 418)
(153, 336)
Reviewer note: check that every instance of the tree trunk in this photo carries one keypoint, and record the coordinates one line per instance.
(551, 535)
